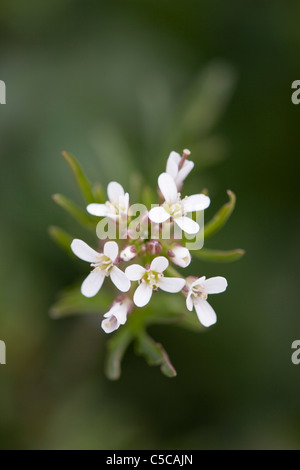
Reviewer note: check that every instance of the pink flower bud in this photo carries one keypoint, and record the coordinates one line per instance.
(154, 247)
(128, 253)
(179, 255)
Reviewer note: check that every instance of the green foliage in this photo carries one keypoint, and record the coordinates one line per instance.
(61, 237)
(71, 302)
(83, 183)
(219, 255)
(74, 211)
(165, 310)
(193, 122)
(116, 348)
(221, 217)
(154, 354)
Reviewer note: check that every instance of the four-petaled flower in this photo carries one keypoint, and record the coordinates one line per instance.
(151, 278)
(117, 314)
(179, 167)
(116, 207)
(197, 290)
(175, 208)
(103, 266)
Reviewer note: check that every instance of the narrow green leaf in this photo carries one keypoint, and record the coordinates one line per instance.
(221, 217)
(116, 348)
(148, 197)
(154, 354)
(61, 237)
(80, 177)
(135, 186)
(75, 211)
(219, 255)
(72, 302)
(99, 193)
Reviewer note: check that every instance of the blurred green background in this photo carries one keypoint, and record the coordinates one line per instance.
(111, 81)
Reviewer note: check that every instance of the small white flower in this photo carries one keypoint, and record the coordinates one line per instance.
(176, 208)
(151, 278)
(197, 292)
(180, 255)
(176, 169)
(117, 314)
(128, 253)
(103, 264)
(117, 205)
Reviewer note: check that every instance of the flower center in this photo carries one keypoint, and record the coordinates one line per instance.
(175, 209)
(199, 291)
(111, 322)
(104, 265)
(115, 207)
(152, 278)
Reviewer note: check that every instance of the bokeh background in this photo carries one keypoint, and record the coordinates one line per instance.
(111, 81)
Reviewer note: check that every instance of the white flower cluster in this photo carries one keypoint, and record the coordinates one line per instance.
(149, 276)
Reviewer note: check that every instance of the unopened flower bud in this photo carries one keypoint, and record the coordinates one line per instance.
(117, 314)
(143, 249)
(154, 247)
(128, 253)
(180, 256)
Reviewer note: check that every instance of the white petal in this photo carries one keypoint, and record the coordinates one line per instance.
(175, 157)
(121, 314)
(189, 302)
(182, 256)
(158, 215)
(84, 251)
(115, 191)
(172, 169)
(198, 282)
(184, 171)
(119, 310)
(110, 324)
(142, 295)
(187, 225)
(168, 187)
(197, 202)
(100, 210)
(124, 203)
(111, 250)
(206, 314)
(172, 165)
(92, 284)
(119, 279)
(109, 313)
(135, 272)
(215, 285)
(159, 264)
(171, 284)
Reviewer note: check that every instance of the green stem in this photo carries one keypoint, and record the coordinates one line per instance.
(173, 272)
